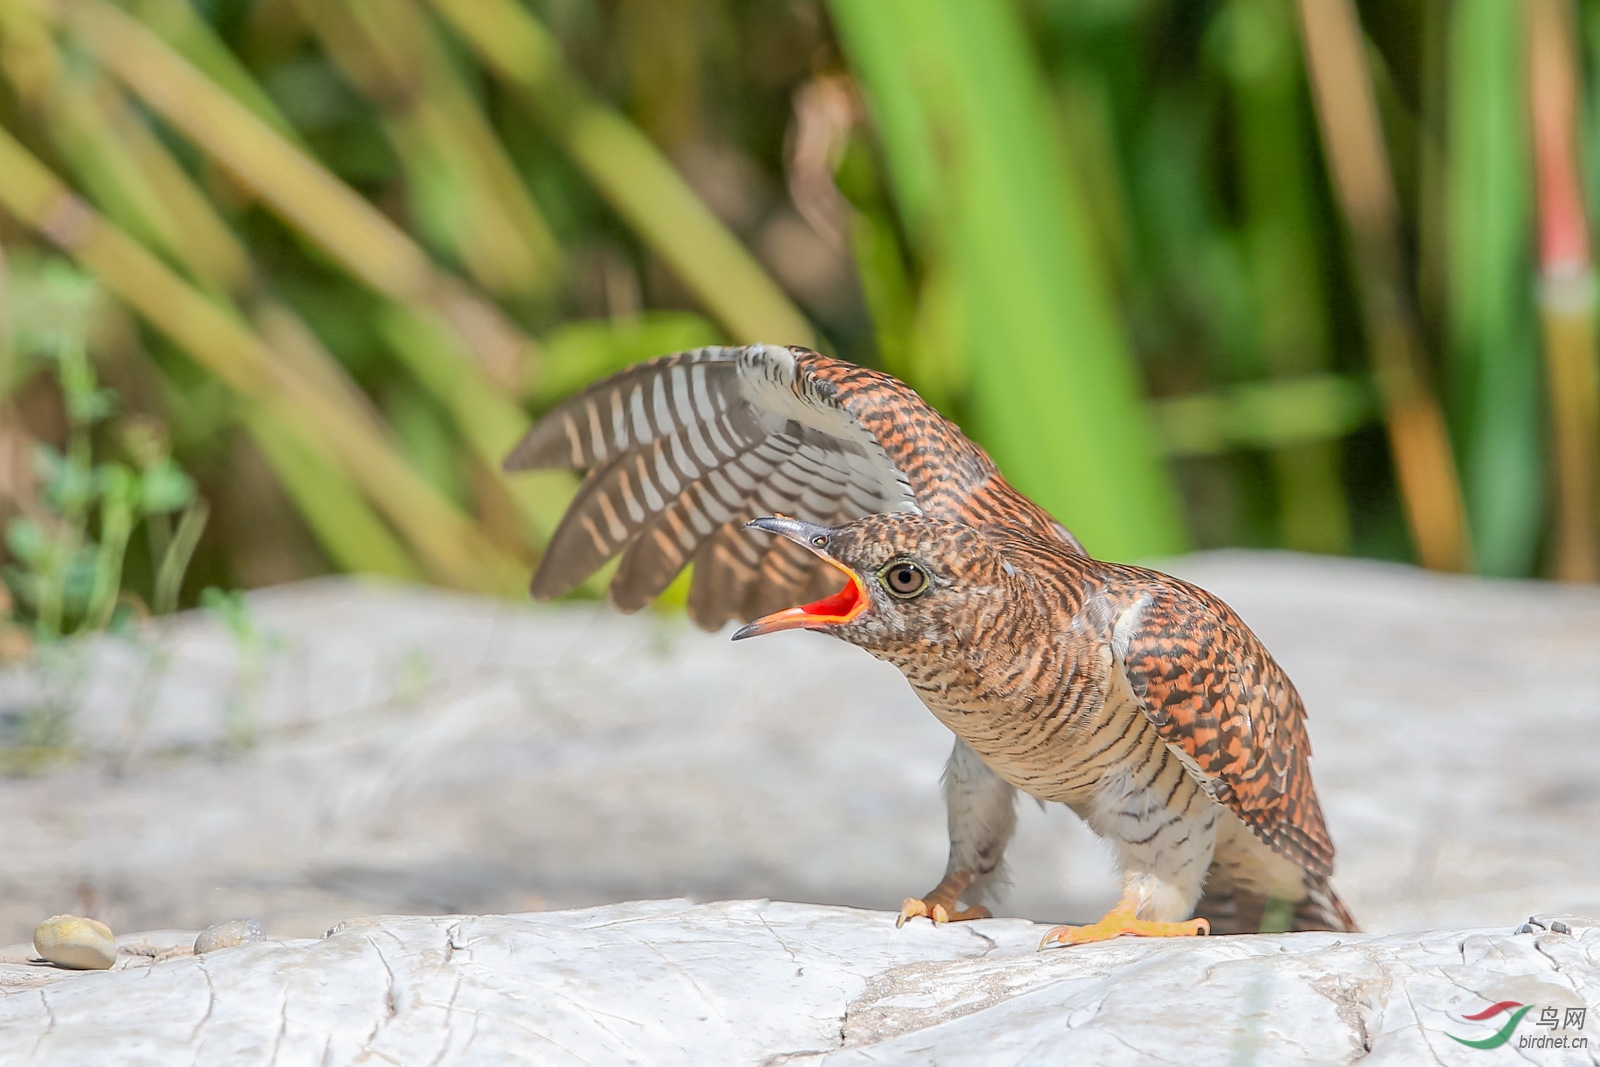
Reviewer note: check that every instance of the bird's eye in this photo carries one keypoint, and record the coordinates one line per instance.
(820, 541)
(904, 579)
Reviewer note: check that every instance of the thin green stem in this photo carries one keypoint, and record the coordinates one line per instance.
(175, 560)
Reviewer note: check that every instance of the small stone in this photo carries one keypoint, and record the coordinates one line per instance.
(75, 943)
(1559, 927)
(228, 934)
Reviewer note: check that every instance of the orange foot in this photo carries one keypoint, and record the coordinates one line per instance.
(940, 904)
(938, 911)
(1121, 920)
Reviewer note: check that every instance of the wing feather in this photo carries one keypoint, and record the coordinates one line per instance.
(1224, 706)
(726, 562)
(681, 451)
(782, 580)
(632, 407)
(666, 544)
(623, 494)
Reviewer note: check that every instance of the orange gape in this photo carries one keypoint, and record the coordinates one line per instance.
(1142, 702)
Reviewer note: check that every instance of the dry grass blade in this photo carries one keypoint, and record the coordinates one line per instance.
(1347, 112)
(128, 160)
(463, 186)
(144, 189)
(630, 173)
(452, 548)
(116, 157)
(490, 423)
(1567, 303)
(352, 535)
(177, 211)
(178, 24)
(299, 189)
(9, 371)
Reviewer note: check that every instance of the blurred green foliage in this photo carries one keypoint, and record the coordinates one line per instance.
(334, 255)
(68, 550)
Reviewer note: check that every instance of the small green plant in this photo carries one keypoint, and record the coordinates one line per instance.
(70, 549)
(414, 675)
(253, 644)
(69, 544)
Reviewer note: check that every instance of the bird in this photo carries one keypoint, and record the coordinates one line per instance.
(686, 454)
(1140, 701)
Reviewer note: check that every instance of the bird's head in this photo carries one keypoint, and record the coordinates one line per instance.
(910, 581)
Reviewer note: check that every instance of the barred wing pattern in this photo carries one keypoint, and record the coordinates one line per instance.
(1224, 706)
(683, 450)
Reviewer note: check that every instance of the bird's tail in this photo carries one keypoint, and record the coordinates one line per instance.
(1237, 910)
(1321, 908)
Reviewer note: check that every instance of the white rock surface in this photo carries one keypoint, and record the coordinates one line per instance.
(419, 752)
(754, 982)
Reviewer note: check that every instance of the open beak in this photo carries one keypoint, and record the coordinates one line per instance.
(842, 606)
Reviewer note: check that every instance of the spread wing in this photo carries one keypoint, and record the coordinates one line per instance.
(1224, 706)
(683, 450)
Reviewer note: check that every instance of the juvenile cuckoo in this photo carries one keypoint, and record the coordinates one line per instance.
(1141, 702)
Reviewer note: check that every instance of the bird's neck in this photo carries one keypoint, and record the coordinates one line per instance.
(992, 652)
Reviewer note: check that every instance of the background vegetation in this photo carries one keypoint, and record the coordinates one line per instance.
(285, 278)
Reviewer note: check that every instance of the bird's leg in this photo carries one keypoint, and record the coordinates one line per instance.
(1124, 919)
(940, 903)
(982, 814)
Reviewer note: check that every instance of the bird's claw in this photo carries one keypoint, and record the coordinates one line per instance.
(916, 907)
(1118, 924)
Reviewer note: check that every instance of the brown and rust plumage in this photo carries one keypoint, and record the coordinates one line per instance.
(1062, 676)
(1209, 687)
(1141, 701)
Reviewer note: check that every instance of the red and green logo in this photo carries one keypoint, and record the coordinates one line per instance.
(1551, 1016)
(1502, 1035)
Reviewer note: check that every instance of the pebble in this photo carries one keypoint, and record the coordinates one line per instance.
(75, 943)
(228, 934)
